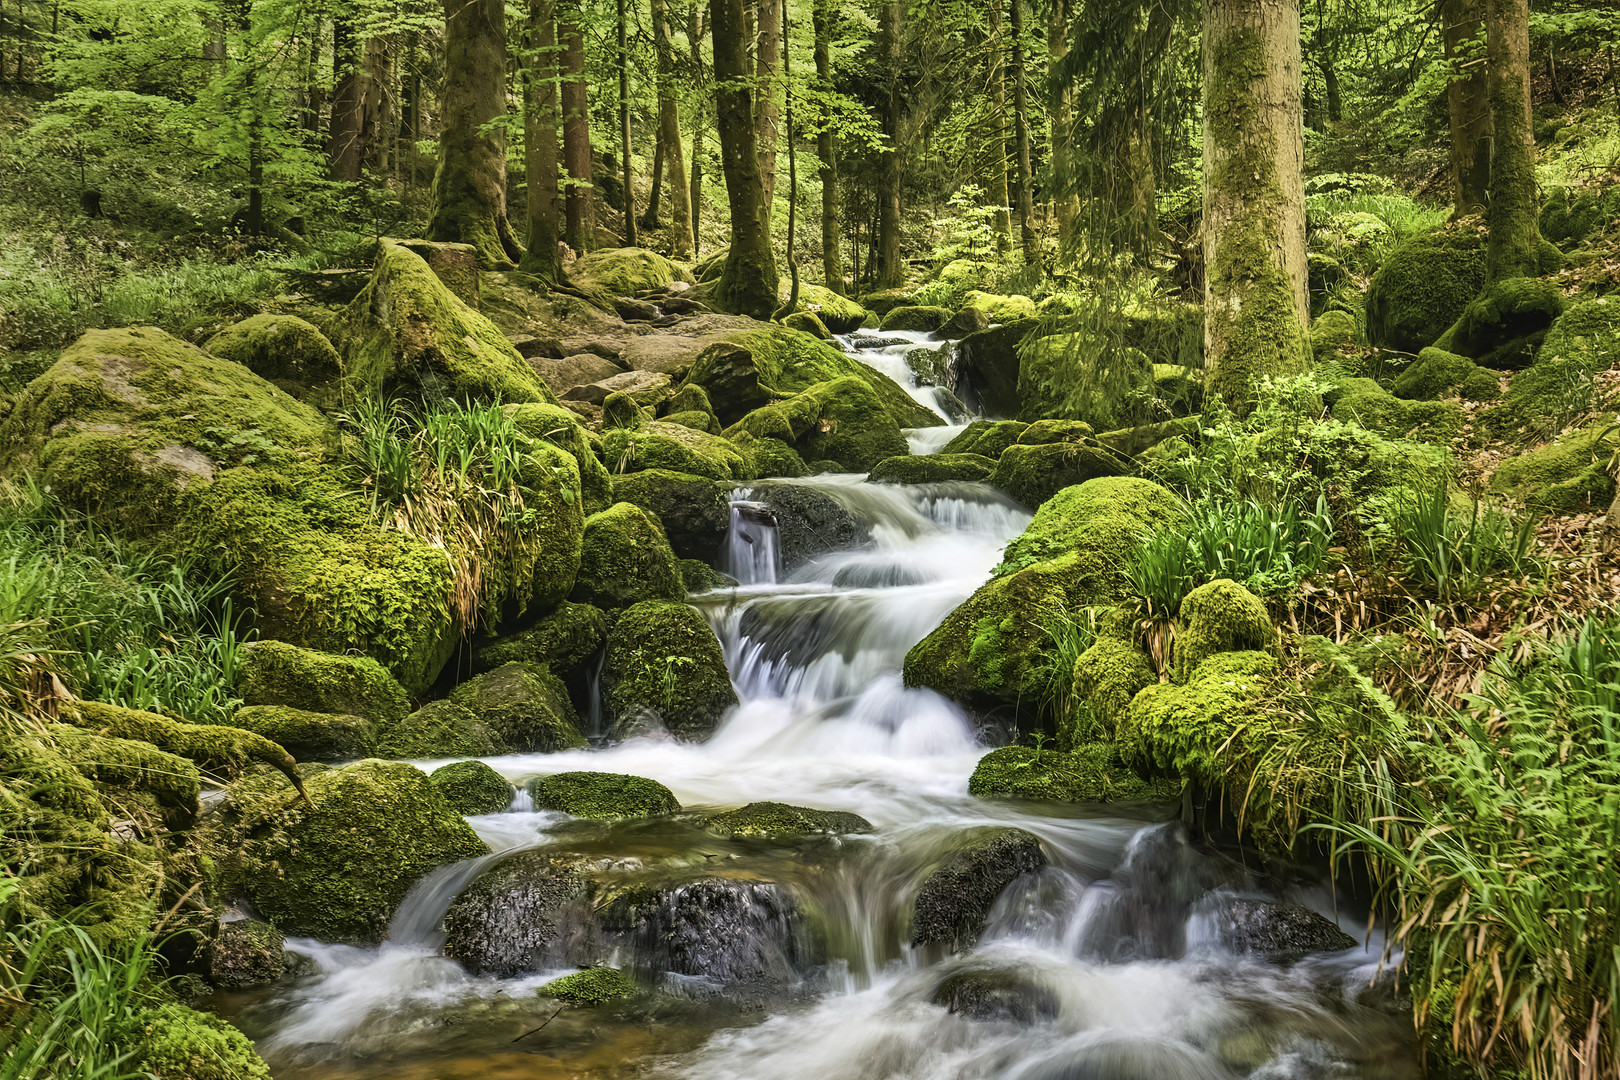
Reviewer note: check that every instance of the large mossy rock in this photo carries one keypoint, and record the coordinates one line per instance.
(471, 787)
(132, 425)
(529, 912)
(838, 314)
(441, 729)
(562, 640)
(953, 903)
(780, 821)
(1545, 396)
(1100, 519)
(1032, 474)
(1106, 677)
(1437, 373)
(663, 658)
(1195, 729)
(626, 559)
(602, 796)
(998, 308)
(276, 673)
(1423, 287)
(1220, 616)
(1368, 405)
(674, 448)
(694, 510)
(408, 335)
(1567, 476)
(176, 1042)
(1502, 325)
(287, 351)
(626, 271)
(310, 736)
(525, 705)
(561, 428)
(923, 318)
(338, 868)
(987, 438)
(842, 421)
(1090, 773)
(931, 469)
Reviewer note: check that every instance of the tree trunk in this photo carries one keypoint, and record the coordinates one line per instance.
(1515, 228)
(1066, 207)
(540, 133)
(579, 208)
(832, 260)
(469, 184)
(1254, 200)
(377, 104)
(629, 207)
(343, 147)
(1468, 101)
(669, 133)
(748, 283)
(793, 170)
(1026, 172)
(694, 35)
(888, 272)
(410, 127)
(996, 75)
(655, 185)
(767, 102)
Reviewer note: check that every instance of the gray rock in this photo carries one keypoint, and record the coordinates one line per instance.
(954, 902)
(996, 994)
(246, 952)
(581, 369)
(1276, 930)
(529, 913)
(808, 522)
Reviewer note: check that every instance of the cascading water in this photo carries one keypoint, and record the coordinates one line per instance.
(1114, 961)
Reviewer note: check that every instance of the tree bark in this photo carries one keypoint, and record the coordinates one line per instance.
(579, 206)
(996, 76)
(694, 36)
(1026, 173)
(343, 148)
(748, 283)
(1469, 104)
(541, 121)
(655, 185)
(793, 170)
(669, 131)
(1254, 200)
(767, 103)
(377, 110)
(832, 259)
(629, 206)
(1513, 214)
(888, 272)
(469, 184)
(1066, 207)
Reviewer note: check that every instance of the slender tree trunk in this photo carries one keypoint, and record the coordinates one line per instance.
(469, 184)
(343, 146)
(1254, 199)
(748, 283)
(889, 273)
(793, 168)
(832, 258)
(767, 102)
(629, 207)
(377, 103)
(1026, 173)
(541, 121)
(996, 76)
(669, 132)
(694, 36)
(1065, 207)
(579, 207)
(1513, 215)
(655, 185)
(1469, 104)
(410, 128)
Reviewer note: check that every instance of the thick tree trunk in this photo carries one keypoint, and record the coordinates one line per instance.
(1515, 228)
(579, 207)
(1469, 103)
(1026, 173)
(541, 121)
(378, 114)
(748, 283)
(469, 184)
(344, 150)
(832, 259)
(767, 101)
(888, 272)
(629, 207)
(1254, 200)
(996, 77)
(1066, 207)
(669, 135)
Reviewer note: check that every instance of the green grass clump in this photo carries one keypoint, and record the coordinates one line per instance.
(594, 986)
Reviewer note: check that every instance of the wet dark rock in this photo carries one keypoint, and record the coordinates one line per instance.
(1126, 1058)
(955, 901)
(745, 933)
(988, 365)
(997, 994)
(530, 912)
(877, 342)
(808, 523)
(967, 321)
(693, 509)
(246, 952)
(729, 375)
(531, 347)
(779, 821)
(1141, 913)
(1276, 930)
(635, 310)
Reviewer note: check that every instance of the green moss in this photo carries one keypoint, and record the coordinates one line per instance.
(135, 780)
(1500, 326)
(773, 458)
(441, 729)
(1364, 402)
(623, 411)
(697, 421)
(1217, 617)
(1090, 774)
(602, 796)
(886, 300)
(1331, 331)
(1107, 676)
(1436, 373)
(662, 657)
(224, 751)
(1187, 730)
(837, 314)
(693, 510)
(525, 704)
(1102, 519)
(1034, 474)
(841, 421)
(338, 868)
(595, 986)
(174, 1042)
(563, 430)
(780, 821)
(1424, 286)
(563, 639)
(1559, 386)
(310, 736)
(627, 271)
(987, 438)
(407, 334)
(1567, 476)
(931, 469)
(626, 559)
(698, 576)
(288, 352)
(471, 787)
(915, 318)
(1000, 309)
(1061, 375)
(276, 673)
(808, 323)
(674, 448)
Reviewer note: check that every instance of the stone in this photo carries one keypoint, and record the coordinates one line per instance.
(953, 903)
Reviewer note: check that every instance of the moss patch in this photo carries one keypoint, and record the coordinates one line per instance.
(779, 821)
(1089, 774)
(627, 271)
(596, 986)
(915, 318)
(626, 559)
(310, 736)
(563, 639)
(288, 352)
(471, 787)
(1102, 519)
(1424, 285)
(1567, 476)
(1033, 474)
(525, 704)
(662, 657)
(1217, 617)
(174, 1042)
(441, 729)
(674, 448)
(276, 673)
(602, 796)
(931, 469)
(1107, 676)
(1436, 373)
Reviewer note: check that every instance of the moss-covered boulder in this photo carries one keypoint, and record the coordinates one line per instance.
(987, 438)
(406, 334)
(700, 577)
(1558, 387)
(842, 421)
(998, 308)
(1100, 519)
(663, 658)
(626, 271)
(1220, 616)
(920, 318)
(225, 752)
(286, 351)
(1331, 331)
(561, 428)
(337, 868)
(1567, 476)
(931, 468)
(561, 640)
(246, 952)
(525, 704)
(1365, 403)
(132, 425)
(1424, 285)
(602, 796)
(310, 736)
(471, 787)
(694, 510)
(839, 314)
(1107, 676)
(1502, 325)
(626, 559)
(589, 988)
(1437, 374)
(884, 301)
(1088, 774)
(807, 322)
(780, 821)
(674, 448)
(276, 673)
(953, 903)
(997, 995)
(441, 729)
(1188, 729)
(1034, 474)
(176, 1042)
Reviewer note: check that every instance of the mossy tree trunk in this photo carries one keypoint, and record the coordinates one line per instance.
(748, 283)
(1469, 105)
(1254, 199)
(469, 184)
(996, 80)
(832, 259)
(888, 271)
(1515, 228)
(1065, 207)
(1026, 172)
(767, 102)
(629, 206)
(541, 120)
(694, 37)
(579, 207)
(669, 133)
